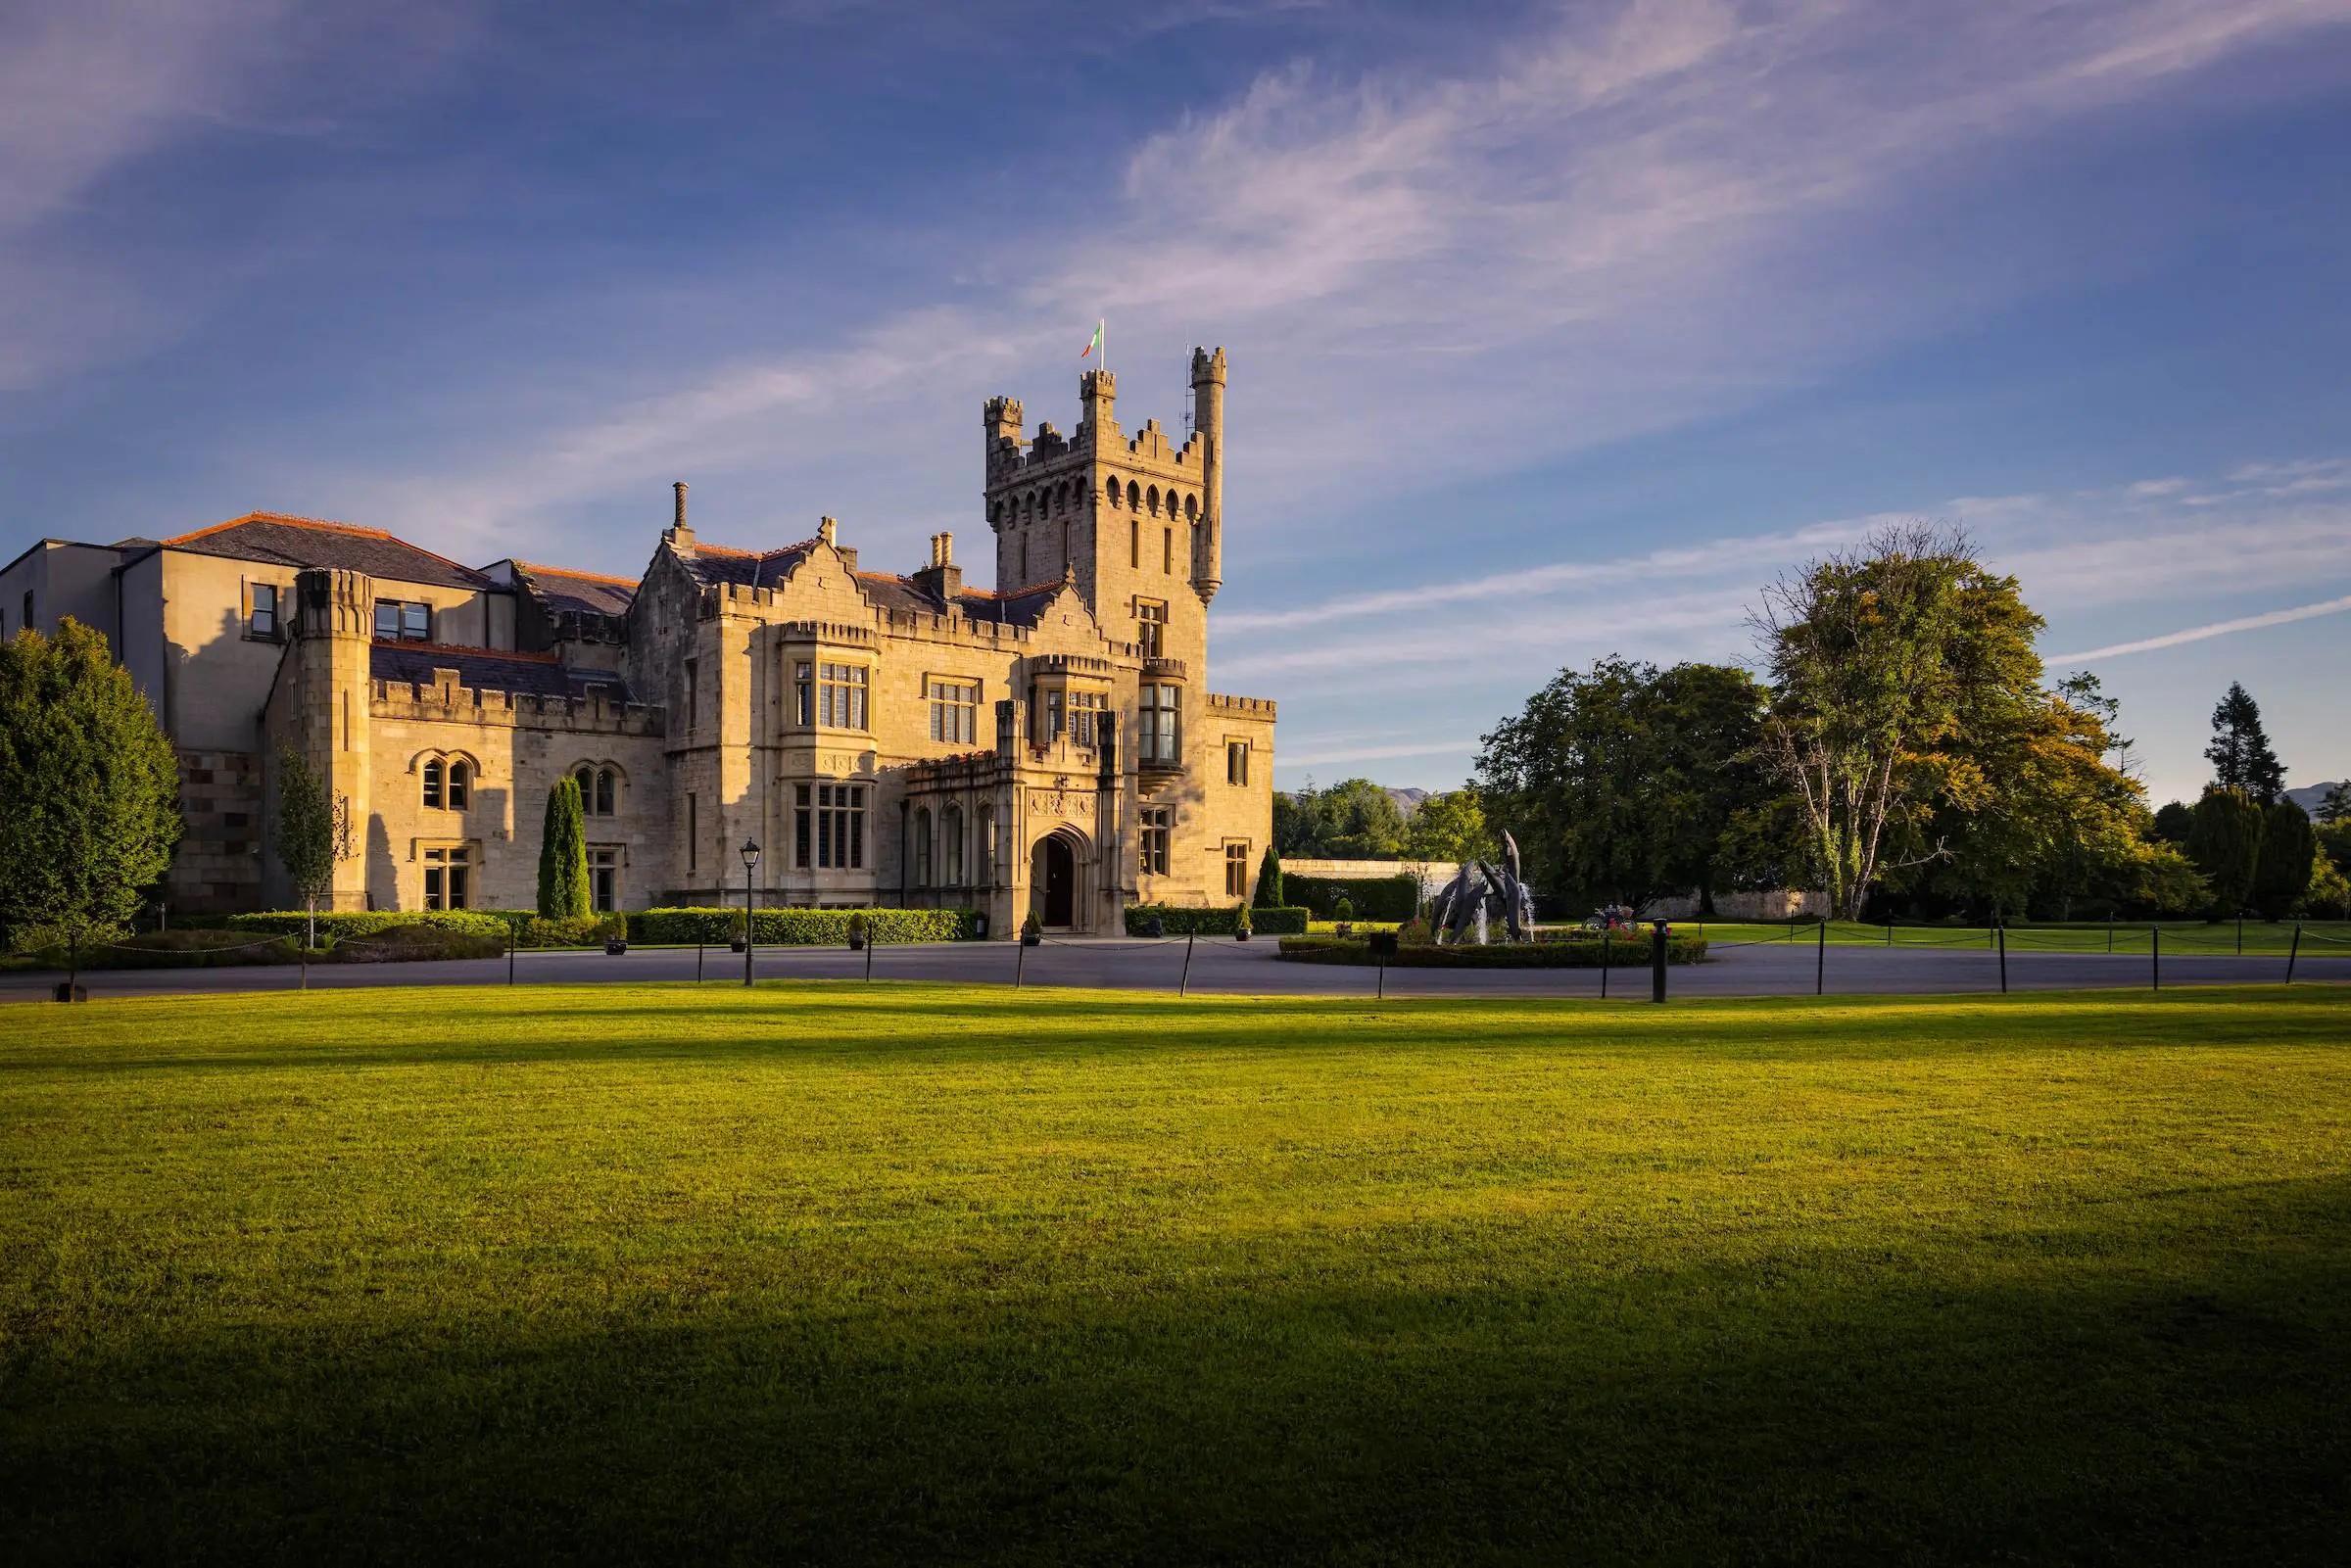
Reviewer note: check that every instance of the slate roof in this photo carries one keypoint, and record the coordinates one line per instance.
(300, 542)
(718, 563)
(563, 589)
(1021, 607)
(521, 674)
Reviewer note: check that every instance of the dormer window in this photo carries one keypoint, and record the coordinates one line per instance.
(399, 621)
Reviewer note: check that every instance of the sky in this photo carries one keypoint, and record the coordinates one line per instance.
(1556, 331)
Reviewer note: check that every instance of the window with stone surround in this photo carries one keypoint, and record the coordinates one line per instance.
(447, 877)
(262, 617)
(1158, 716)
(1236, 868)
(840, 695)
(950, 843)
(399, 621)
(1236, 762)
(1151, 626)
(1088, 716)
(1158, 829)
(828, 826)
(600, 790)
(921, 847)
(604, 879)
(954, 709)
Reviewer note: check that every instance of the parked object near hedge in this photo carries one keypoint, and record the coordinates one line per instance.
(1175, 921)
(801, 928)
(1574, 952)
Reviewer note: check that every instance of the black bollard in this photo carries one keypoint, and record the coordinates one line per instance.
(2292, 953)
(2003, 960)
(1183, 984)
(1605, 935)
(2155, 953)
(1820, 961)
(1656, 962)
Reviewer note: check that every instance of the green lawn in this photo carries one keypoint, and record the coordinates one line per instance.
(913, 1274)
(2322, 938)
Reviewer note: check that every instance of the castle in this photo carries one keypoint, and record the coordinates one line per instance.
(1048, 745)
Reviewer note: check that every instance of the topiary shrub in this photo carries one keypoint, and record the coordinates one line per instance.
(1344, 909)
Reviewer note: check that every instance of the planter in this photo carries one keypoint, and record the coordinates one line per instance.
(736, 945)
(856, 943)
(1032, 939)
(1157, 928)
(68, 991)
(615, 947)
(1241, 935)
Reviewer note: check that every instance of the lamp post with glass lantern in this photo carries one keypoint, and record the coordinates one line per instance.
(750, 864)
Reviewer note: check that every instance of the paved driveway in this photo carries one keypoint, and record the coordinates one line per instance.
(1223, 964)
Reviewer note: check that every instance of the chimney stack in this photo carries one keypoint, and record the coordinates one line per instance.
(680, 536)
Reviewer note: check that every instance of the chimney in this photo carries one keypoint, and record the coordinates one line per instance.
(942, 579)
(680, 537)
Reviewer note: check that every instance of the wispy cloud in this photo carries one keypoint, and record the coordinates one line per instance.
(2199, 633)
(1640, 216)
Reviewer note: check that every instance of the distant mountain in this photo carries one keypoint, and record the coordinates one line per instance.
(2307, 797)
(1407, 801)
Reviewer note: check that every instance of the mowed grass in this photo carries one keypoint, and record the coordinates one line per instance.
(916, 1273)
(2185, 940)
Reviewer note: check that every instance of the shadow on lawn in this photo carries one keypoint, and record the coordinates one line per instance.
(2181, 1399)
(915, 1022)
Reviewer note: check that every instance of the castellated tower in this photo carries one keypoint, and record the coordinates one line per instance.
(1136, 521)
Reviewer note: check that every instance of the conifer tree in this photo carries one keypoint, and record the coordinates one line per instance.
(563, 892)
(90, 788)
(2289, 848)
(2173, 821)
(1269, 881)
(2225, 846)
(2239, 753)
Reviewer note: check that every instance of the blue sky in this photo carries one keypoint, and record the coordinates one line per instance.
(1554, 331)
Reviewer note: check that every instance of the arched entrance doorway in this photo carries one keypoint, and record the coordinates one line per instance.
(1053, 880)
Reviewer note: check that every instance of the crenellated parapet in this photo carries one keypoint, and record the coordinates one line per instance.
(1239, 707)
(445, 701)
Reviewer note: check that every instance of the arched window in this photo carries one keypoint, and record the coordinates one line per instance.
(922, 847)
(586, 780)
(607, 790)
(1134, 493)
(1151, 501)
(1111, 488)
(988, 846)
(1192, 506)
(461, 785)
(599, 789)
(432, 784)
(950, 837)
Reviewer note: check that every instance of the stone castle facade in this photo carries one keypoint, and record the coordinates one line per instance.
(1047, 745)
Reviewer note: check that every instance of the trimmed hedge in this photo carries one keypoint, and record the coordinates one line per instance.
(1211, 921)
(223, 949)
(336, 925)
(1389, 898)
(1575, 953)
(801, 928)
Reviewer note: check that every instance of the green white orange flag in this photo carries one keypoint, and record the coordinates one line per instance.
(1095, 347)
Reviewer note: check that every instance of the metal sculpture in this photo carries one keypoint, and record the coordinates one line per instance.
(1480, 888)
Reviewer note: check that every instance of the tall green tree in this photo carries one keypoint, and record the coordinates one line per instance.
(89, 787)
(1268, 880)
(2225, 846)
(2174, 821)
(313, 834)
(2239, 753)
(2290, 847)
(1450, 827)
(1884, 662)
(1356, 819)
(563, 891)
(1620, 782)
(2336, 805)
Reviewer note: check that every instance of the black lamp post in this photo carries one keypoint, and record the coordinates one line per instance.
(750, 864)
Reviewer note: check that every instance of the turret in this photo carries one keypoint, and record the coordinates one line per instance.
(1208, 422)
(1002, 419)
(1098, 397)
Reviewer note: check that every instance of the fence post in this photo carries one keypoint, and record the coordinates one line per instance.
(509, 952)
(1021, 963)
(1605, 935)
(2155, 953)
(1183, 983)
(2292, 953)
(1820, 961)
(2240, 933)
(869, 956)
(2003, 931)
(698, 961)
(1656, 962)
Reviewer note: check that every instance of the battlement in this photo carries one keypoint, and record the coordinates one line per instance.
(332, 601)
(445, 701)
(1239, 707)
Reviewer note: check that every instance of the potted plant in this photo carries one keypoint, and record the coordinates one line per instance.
(616, 936)
(1344, 912)
(1158, 925)
(1240, 923)
(1032, 930)
(857, 931)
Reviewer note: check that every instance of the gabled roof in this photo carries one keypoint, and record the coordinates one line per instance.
(720, 563)
(541, 674)
(563, 589)
(1020, 607)
(308, 542)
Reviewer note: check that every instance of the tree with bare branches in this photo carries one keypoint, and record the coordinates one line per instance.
(1886, 662)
